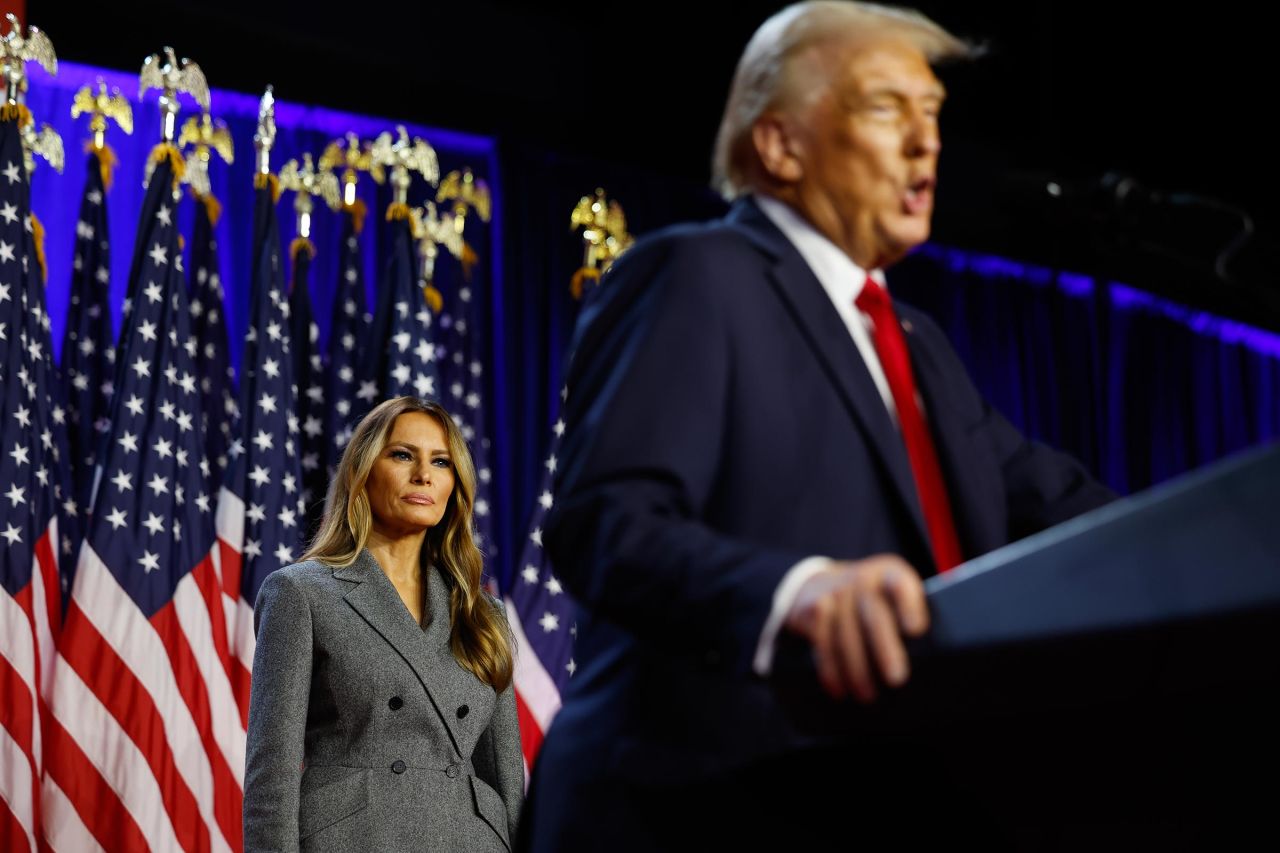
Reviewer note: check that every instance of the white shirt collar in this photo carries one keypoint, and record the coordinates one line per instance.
(836, 271)
(841, 278)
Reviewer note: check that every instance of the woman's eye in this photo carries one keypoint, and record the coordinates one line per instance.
(440, 463)
(400, 454)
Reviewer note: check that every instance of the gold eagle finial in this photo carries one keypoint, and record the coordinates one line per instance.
(404, 156)
(352, 158)
(604, 236)
(102, 106)
(204, 134)
(307, 181)
(16, 50)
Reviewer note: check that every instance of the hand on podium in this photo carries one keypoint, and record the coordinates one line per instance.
(854, 614)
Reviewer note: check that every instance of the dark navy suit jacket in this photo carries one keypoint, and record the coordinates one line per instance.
(721, 426)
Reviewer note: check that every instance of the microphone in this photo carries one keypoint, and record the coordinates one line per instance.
(1119, 202)
(1112, 193)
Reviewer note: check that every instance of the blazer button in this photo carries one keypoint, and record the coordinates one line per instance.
(463, 711)
(451, 771)
(396, 703)
(397, 767)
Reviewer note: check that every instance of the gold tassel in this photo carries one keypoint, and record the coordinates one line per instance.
(37, 238)
(469, 259)
(397, 210)
(434, 300)
(580, 278)
(261, 181)
(301, 244)
(166, 151)
(107, 161)
(357, 211)
(212, 207)
(16, 112)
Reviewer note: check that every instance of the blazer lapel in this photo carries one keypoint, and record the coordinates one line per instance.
(826, 333)
(376, 600)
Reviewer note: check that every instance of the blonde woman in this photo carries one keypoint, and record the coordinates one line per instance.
(382, 715)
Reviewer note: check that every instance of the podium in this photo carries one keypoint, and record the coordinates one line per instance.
(1111, 683)
(1174, 588)
(1116, 679)
(1202, 547)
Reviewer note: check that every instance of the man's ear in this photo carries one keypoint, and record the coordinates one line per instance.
(774, 138)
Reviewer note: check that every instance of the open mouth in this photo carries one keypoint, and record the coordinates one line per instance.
(918, 198)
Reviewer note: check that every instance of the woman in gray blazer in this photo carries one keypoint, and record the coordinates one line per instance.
(382, 715)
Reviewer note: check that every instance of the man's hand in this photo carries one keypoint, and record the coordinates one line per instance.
(855, 615)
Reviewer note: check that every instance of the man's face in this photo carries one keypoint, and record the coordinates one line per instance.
(868, 148)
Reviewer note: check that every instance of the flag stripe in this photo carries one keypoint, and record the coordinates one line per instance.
(246, 640)
(531, 734)
(20, 709)
(68, 833)
(156, 656)
(18, 777)
(17, 668)
(223, 782)
(13, 834)
(46, 612)
(140, 720)
(230, 526)
(242, 661)
(200, 615)
(230, 522)
(129, 784)
(536, 687)
(208, 581)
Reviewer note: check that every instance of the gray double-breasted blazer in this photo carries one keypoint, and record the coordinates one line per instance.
(365, 733)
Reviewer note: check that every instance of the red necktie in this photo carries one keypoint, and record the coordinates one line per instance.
(891, 346)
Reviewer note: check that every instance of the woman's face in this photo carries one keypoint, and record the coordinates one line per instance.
(410, 483)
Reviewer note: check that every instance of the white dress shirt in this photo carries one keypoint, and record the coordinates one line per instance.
(843, 280)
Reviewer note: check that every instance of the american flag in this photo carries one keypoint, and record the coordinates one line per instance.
(260, 506)
(88, 347)
(403, 355)
(347, 333)
(308, 374)
(209, 326)
(541, 615)
(462, 372)
(29, 478)
(146, 742)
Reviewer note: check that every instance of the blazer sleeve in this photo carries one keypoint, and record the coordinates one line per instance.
(498, 759)
(648, 405)
(277, 715)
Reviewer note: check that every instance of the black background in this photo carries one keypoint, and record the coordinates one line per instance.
(1086, 93)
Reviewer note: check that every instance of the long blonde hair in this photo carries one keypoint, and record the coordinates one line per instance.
(478, 633)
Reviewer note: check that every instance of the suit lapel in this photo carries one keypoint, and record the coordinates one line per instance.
(811, 308)
(969, 486)
(376, 600)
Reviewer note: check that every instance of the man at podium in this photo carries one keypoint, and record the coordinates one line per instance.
(761, 442)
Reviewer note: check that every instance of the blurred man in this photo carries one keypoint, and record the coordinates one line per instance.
(760, 441)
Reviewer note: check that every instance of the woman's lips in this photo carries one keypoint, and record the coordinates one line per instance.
(421, 500)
